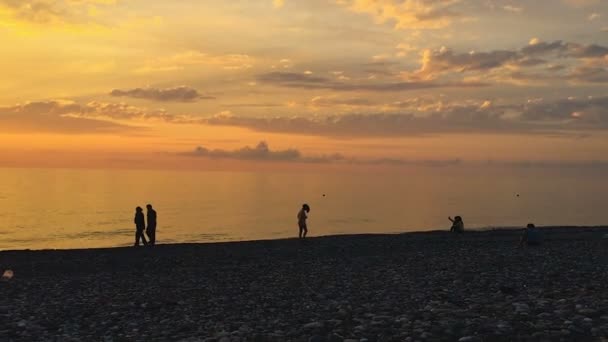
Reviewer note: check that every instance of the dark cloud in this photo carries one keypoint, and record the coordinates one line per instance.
(289, 78)
(55, 117)
(592, 71)
(446, 59)
(563, 49)
(544, 48)
(380, 125)
(410, 118)
(591, 74)
(296, 80)
(253, 105)
(590, 112)
(445, 62)
(542, 117)
(321, 101)
(444, 67)
(262, 152)
(176, 94)
(589, 51)
(529, 62)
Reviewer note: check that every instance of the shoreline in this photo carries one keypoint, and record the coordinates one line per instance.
(484, 230)
(422, 286)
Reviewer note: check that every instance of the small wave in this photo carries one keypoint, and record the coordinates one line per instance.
(96, 234)
(350, 220)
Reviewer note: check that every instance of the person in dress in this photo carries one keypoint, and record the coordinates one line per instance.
(302, 216)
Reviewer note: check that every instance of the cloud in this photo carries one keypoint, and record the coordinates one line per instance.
(305, 81)
(262, 152)
(563, 49)
(177, 94)
(444, 60)
(511, 8)
(581, 3)
(591, 72)
(537, 47)
(191, 58)
(444, 67)
(413, 117)
(331, 101)
(588, 112)
(505, 65)
(52, 11)
(407, 14)
(253, 105)
(535, 117)
(55, 116)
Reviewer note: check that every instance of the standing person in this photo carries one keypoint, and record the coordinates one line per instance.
(140, 225)
(151, 229)
(457, 224)
(302, 216)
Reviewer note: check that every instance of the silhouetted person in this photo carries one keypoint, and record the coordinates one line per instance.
(140, 225)
(531, 236)
(302, 220)
(151, 229)
(457, 224)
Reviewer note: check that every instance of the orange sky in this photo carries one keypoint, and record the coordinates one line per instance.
(134, 83)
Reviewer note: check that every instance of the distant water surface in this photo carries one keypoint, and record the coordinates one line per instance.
(59, 208)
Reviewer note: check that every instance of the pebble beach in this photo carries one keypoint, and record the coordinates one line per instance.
(432, 286)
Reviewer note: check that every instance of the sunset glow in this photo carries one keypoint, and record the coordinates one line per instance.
(88, 83)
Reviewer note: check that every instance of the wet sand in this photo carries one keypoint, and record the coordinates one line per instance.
(435, 286)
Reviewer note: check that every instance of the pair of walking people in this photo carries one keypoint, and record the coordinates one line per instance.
(140, 226)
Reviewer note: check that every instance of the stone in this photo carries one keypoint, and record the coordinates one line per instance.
(313, 325)
(468, 339)
(316, 338)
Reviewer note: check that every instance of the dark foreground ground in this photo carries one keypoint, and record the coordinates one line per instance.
(419, 286)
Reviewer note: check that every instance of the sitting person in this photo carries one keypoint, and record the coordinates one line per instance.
(531, 236)
(457, 224)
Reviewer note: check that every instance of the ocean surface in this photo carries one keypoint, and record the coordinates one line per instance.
(61, 208)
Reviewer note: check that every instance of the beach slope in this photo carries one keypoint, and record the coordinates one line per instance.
(477, 286)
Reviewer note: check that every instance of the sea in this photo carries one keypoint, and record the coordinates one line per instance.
(85, 208)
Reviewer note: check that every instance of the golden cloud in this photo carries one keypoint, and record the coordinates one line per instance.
(407, 14)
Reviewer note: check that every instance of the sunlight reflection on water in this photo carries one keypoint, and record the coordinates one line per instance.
(55, 208)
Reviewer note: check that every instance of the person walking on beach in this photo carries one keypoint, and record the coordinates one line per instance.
(302, 216)
(531, 236)
(457, 224)
(140, 225)
(151, 229)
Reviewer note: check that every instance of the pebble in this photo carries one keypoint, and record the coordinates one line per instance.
(313, 325)
(353, 289)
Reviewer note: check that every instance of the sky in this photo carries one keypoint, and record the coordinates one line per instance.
(213, 84)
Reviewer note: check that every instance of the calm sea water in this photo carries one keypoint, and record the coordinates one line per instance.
(57, 208)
